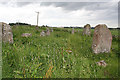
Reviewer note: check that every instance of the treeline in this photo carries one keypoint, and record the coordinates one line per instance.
(78, 27)
(18, 23)
(91, 28)
(114, 28)
(12, 24)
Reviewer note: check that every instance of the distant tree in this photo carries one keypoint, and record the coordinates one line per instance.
(46, 26)
(43, 26)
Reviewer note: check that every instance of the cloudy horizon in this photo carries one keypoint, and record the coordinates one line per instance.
(59, 14)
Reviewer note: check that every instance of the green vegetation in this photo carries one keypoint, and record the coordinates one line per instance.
(60, 55)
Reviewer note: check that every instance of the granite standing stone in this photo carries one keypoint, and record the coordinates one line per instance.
(7, 35)
(73, 31)
(42, 33)
(102, 39)
(51, 29)
(48, 32)
(87, 30)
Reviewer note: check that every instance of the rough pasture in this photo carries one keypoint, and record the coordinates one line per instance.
(59, 55)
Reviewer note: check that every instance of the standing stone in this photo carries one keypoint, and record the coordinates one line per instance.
(7, 35)
(78, 31)
(51, 29)
(37, 28)
(42, 33)
(48, 32)
(0, 31)
(102, 39)
(73, 31)
(87, 29)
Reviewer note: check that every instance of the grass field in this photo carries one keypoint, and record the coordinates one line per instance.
(44, 57)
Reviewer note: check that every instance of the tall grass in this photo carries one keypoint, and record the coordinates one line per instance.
(49, 56)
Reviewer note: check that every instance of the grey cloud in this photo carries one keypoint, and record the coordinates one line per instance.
(102, 10)
(66, 5)
(3, 2)
(108, 10)
(79, 5)
(70, 6)
(20, 4)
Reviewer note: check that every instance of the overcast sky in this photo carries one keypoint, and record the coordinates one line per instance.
(61, 13)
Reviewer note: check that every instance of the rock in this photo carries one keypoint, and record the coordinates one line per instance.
(26, 34)
(7, 35)
(102, 63)
(73, 31)
(69, 51)
(42, 33)
(87, 30)
(102, 39)
(48, 32)
(45, 33)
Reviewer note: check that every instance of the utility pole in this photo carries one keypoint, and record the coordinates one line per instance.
(37, 18)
